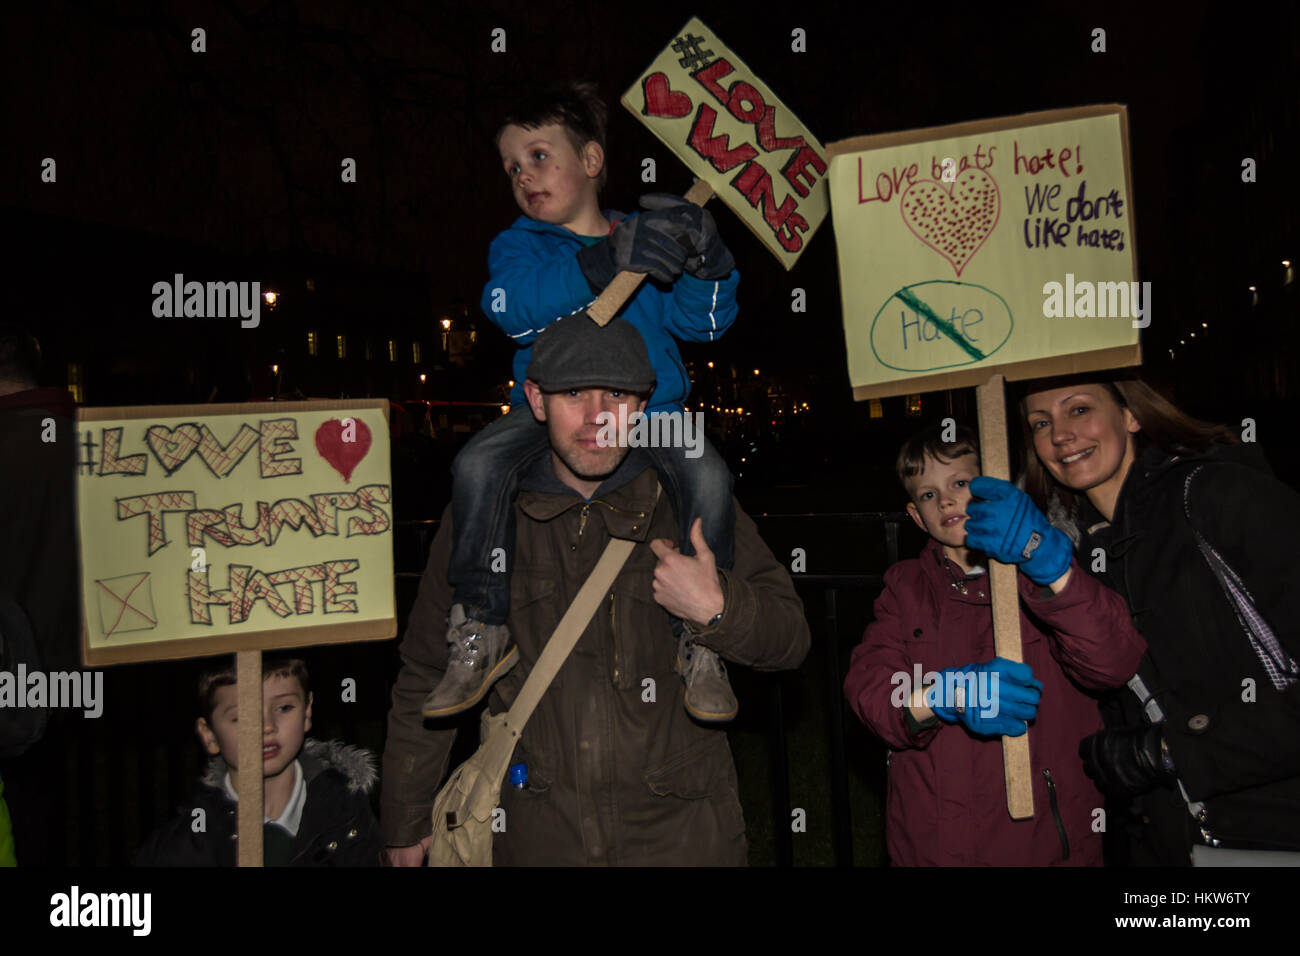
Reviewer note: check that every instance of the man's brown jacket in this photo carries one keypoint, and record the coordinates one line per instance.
(618, 773)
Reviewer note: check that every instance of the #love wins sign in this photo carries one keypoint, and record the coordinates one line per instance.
(720, 119)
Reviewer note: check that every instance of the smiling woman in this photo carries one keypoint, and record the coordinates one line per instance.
(1193, 530)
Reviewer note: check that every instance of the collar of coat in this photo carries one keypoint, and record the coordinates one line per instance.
(356, 764)
(57, 400)
(536, 225)
(625, 502)
(942, 571)
(1152, 468)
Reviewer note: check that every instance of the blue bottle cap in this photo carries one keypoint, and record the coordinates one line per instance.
(518, 774)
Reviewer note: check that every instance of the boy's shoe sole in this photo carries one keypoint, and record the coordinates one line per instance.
(503, 667)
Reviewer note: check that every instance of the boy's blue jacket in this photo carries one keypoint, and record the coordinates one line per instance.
(535, 267)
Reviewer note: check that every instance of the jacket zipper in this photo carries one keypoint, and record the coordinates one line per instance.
(1056, 815)
(614, 628)
(582, 523)
(586, 512)
(626, 511)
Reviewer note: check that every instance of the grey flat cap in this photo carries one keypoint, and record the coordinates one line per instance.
(575, 352)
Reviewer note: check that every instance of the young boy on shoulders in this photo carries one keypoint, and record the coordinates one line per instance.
(926, 680)
(553, 261)
(315, 803)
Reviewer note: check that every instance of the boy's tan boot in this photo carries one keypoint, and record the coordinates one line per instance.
(708, 692)
(477, 654)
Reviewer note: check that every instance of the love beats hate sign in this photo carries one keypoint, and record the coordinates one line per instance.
(710, 109)
(208, 529)
(958, 244)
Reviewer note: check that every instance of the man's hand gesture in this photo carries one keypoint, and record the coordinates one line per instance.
(688, 587)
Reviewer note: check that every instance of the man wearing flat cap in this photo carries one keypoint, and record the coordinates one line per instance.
(617, 772)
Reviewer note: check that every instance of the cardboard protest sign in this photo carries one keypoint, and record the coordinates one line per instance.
(217, 528)
(1002, 246)
(720, 119)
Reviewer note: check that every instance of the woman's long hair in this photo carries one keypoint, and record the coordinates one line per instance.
(1164, 425)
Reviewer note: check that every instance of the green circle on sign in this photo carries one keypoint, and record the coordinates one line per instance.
(940, 324)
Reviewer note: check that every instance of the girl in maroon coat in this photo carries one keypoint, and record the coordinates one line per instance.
(926, 681)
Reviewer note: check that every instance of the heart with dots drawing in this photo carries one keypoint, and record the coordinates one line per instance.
(953, 219)
(343, 444)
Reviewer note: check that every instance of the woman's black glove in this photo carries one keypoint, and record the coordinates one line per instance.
(1126, 762)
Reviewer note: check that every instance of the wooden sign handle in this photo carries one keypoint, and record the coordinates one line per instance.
(248, 673)
(996, 463)
(625, 284)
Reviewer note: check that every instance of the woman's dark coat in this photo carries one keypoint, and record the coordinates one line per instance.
(1235, 740)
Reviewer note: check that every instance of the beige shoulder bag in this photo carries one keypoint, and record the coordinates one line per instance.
(462, 811)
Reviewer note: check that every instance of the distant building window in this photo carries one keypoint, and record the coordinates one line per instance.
(369, 353)
(877, 409)
(415, 352)
(343, 346)
(76, 383)
(311, 343)
(392, 350)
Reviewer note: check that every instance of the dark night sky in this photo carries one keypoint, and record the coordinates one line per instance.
(239, 148)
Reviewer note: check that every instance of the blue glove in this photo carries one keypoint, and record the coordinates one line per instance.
(989, 699)
(1006, 525)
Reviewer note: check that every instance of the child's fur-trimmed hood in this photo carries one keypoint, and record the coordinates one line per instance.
(357, 764)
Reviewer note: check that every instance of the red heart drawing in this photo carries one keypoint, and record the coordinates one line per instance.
(661, 101)
(953, 221)
(343, 456)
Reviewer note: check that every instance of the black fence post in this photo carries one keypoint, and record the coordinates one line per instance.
(782, 838)
(841, 812)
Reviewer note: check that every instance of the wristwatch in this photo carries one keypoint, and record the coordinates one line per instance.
(704, 627)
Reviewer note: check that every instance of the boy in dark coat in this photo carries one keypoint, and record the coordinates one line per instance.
(315, 804)
(912, 681)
